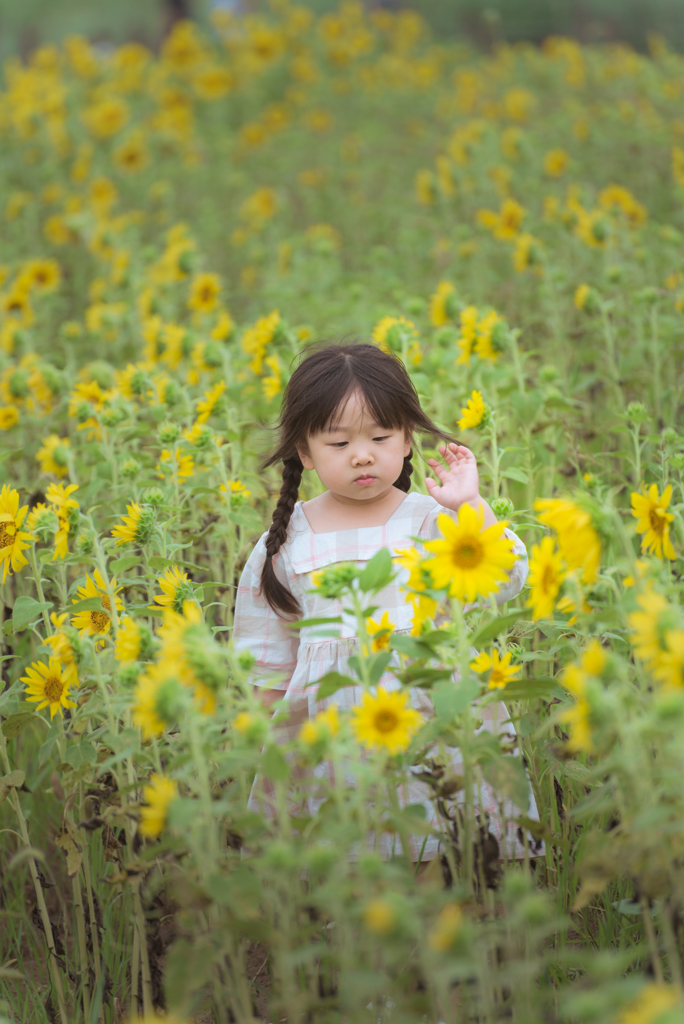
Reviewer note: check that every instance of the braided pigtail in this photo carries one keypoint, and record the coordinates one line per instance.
(280, 598)
(404, 480)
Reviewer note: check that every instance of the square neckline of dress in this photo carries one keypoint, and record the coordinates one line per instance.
(379, 526)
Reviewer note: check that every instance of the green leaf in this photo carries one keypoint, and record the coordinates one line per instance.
(330, 683)
(451, 698)
(13, 725)
(83, 753)
(378, 664)
(88, 604)
(27, 610)
(274, 764)
(513, 473)
(378, 571)
(15, 780)
(527, 689)
(492, 628)
(127, 562)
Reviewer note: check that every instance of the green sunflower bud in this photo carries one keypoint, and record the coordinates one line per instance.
(169, 432)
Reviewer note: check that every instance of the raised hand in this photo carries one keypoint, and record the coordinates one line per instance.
(459, 479)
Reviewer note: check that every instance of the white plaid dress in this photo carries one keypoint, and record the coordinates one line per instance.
(291, 660)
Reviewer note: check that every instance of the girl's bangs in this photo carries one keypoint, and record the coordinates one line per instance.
(377, 399)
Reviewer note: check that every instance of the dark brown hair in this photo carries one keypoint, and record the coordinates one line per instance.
(313, 398)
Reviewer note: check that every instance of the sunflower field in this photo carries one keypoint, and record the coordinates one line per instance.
(176, 228)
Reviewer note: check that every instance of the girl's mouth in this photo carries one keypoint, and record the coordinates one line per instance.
(364, 481)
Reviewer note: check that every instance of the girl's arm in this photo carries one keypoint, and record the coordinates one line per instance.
(262, 631)
(459, 481)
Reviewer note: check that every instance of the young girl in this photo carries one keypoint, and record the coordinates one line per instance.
(349, 413)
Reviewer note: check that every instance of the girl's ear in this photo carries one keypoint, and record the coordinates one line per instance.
(305, 458)
(408, 443)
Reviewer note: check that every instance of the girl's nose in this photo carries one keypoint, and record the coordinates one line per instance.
(362, 458)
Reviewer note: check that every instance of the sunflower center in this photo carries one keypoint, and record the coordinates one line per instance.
(99, 620)
(657, 520)
(549, 578)
(6, 538)
(386, 720)
(468, 553)
(497, 678)
(54, 688)
(106, 603)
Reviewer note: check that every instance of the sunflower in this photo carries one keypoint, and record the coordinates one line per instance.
(52, 457)
(546, 577)
(469, 560)
(257, 338)
(500, 669)
(446, 928)
(213, 82)
(184, 464)
(136, 527)
(158, 795)
(466, 341)
(380, 633)
(204, 293)
(176, 588)
(155, 700)
(556, 163)
(234, 492)
(578, 541)
(384, 721)
(132, 156)
(272, 385)
(127, 646)
(9, 417)
(442, 304)
(43, 275)
(206, 405)
(474, 413)
(97, 622)
(669, 668)
(648, 625)
(13, 540)
(653, 520)
(48, 685)
(325, 724)
(390, 332)
(63, 505)
(652, 1004)
(65, 647)
(578, 716)
(581, 296)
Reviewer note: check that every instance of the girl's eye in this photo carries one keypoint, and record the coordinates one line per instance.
(338, 444)
(383, 438)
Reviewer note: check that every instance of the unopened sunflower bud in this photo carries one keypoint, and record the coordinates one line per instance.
(212, 355)
(130, 469)
(637, 413)
(85, 543)
(113, 415)
(246, 660)
(154, 496)
(669, 436)
(171, 700)
(127, 675)
(334, 580)
(169, 432)
(548, 373)
(172, 393)
(502, 508)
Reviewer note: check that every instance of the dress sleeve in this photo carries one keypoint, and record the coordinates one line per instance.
(257, 628)
(518, 574)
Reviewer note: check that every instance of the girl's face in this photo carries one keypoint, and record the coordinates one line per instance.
(359, 459)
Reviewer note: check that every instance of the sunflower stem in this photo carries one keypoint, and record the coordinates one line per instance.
(37, 579)
(40, 896)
